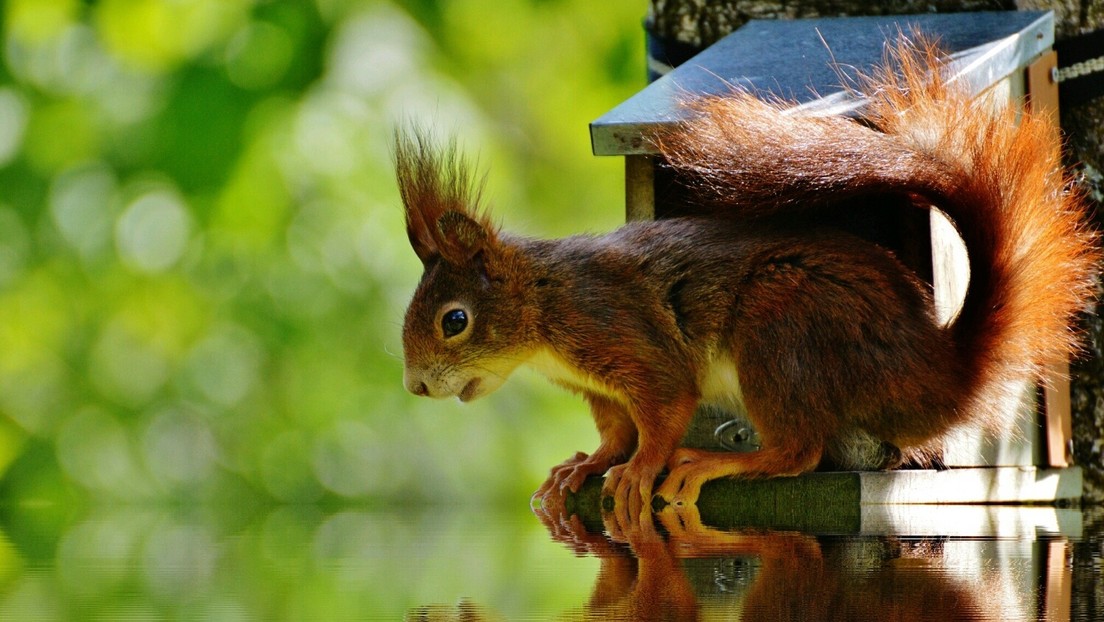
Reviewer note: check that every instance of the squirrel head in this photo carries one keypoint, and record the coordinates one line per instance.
(463, 332)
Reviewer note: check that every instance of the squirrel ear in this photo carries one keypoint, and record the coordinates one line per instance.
(421, 240)
(460, 236)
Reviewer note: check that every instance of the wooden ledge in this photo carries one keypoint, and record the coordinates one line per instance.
(883, 502)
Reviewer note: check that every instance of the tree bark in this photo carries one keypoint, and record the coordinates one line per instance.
(701, 22)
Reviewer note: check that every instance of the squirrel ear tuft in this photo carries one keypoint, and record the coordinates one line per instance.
(460, 236)
(441, 198)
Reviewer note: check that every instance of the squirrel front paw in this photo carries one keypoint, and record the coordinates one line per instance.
(568, 477)
(630, 485)
(684, 481)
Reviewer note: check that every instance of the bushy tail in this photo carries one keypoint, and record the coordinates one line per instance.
(1032, 257)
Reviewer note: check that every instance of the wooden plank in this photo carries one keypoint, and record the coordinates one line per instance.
(1058, 596)
(1058, 417)
(639, 187)
(1042, 97)
(817, 502)
(1022, 445)
(841, 502)
(982, 485)
(820, 502)
(1042, 90)
(971, 521)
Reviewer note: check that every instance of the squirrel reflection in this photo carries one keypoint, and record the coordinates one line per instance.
(680, 569)
(695, 572)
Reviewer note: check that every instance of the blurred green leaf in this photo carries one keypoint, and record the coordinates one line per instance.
(203, 272)
(203, 266)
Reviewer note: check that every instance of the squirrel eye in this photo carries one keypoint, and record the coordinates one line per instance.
(454, 322)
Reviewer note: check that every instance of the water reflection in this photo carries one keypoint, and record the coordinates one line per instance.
(308, 562)
(676, 568)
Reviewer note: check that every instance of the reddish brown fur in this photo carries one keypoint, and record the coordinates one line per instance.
(830, 335)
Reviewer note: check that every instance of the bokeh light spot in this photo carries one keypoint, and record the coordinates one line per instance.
(80, 205)
(179, 448)
(225, 365)
(126, 367)
(376, 51)
(156, 35)
(102, 545)
(13, 124)
(153, 231)
(350, 459)
(179, 560)
(93, 449)
(37, 20)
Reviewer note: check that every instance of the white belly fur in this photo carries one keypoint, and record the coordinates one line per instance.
(556, 369)
(720, 384)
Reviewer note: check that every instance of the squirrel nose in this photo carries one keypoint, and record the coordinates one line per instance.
(414, 383)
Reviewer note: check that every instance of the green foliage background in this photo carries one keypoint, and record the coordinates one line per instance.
(203, 267)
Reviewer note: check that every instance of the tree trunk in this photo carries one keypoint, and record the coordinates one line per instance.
(701, 22)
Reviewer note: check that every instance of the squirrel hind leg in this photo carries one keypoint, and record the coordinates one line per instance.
(691, 468)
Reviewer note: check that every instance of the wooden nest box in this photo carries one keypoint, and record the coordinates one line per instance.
(1006, 53)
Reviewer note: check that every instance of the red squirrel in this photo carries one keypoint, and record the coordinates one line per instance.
(827, 339)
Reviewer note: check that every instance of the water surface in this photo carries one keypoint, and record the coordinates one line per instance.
(496, 563)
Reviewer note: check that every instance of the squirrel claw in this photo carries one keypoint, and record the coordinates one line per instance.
(630, 486)
(567, 478)
(684, 482)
